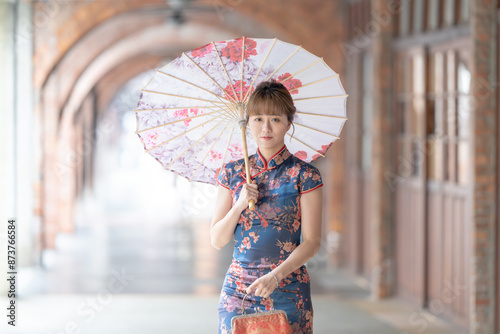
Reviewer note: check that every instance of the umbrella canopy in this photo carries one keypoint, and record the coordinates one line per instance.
(188, 115)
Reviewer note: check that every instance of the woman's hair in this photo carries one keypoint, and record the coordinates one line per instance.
(270, 98)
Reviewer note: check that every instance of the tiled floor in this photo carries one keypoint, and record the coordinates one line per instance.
(172, 314)
(103, 312)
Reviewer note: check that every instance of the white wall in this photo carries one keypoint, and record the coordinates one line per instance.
(17, 136)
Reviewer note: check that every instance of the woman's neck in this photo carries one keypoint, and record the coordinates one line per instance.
(268, 153)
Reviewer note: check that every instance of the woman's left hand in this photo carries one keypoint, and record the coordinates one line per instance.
(263, 286)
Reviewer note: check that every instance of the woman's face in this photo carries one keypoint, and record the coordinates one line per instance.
(269, 131)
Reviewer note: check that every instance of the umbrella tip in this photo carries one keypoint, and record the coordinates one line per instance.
(242, 123)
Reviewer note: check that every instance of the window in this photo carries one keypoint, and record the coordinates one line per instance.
(448, 116)
(463, 120)
(418, 16)
(404, 18)
(426, 16)
(463, 15)
(410, 109)
(449, 12)
(435, 106)
(433, 14)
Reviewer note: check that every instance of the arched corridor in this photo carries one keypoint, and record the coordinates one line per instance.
(109, 241)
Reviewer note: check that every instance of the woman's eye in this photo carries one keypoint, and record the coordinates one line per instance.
(276, 119)
(256, 119)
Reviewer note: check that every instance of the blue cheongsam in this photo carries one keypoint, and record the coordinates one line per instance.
(266, 236)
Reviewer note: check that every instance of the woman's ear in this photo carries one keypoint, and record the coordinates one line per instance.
(289, 125)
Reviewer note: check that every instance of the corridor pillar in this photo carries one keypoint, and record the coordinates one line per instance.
(381, 213)
(484, 83)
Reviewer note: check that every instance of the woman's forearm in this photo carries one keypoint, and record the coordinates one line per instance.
(222, 231)
(300, 255)
(311, 218)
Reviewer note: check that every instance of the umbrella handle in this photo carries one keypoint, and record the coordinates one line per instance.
(251, 203)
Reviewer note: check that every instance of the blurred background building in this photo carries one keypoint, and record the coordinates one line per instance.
(412, 186)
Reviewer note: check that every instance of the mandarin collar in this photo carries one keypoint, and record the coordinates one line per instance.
(277, 159)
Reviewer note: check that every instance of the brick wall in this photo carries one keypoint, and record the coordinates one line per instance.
(484, 39)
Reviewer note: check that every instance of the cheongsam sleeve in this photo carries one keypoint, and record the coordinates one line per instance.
(310, 179)
(223, 178)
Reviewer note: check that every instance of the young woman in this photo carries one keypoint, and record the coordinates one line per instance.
(274, 241)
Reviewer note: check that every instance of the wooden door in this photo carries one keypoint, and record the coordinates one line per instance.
(410, 163)
(448, 182)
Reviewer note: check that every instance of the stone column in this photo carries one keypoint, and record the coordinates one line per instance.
(333, 164)
(338, 190)
(382, 221)
(55, 165)
(483, 20)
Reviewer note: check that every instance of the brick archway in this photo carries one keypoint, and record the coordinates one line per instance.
(317, 24)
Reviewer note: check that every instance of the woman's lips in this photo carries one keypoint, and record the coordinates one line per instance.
(266, 138)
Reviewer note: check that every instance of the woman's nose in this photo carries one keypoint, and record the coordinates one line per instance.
(266, 126)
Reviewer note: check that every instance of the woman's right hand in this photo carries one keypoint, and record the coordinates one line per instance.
(247, 193)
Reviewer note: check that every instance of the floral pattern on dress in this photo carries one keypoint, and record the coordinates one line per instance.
(266, 236)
